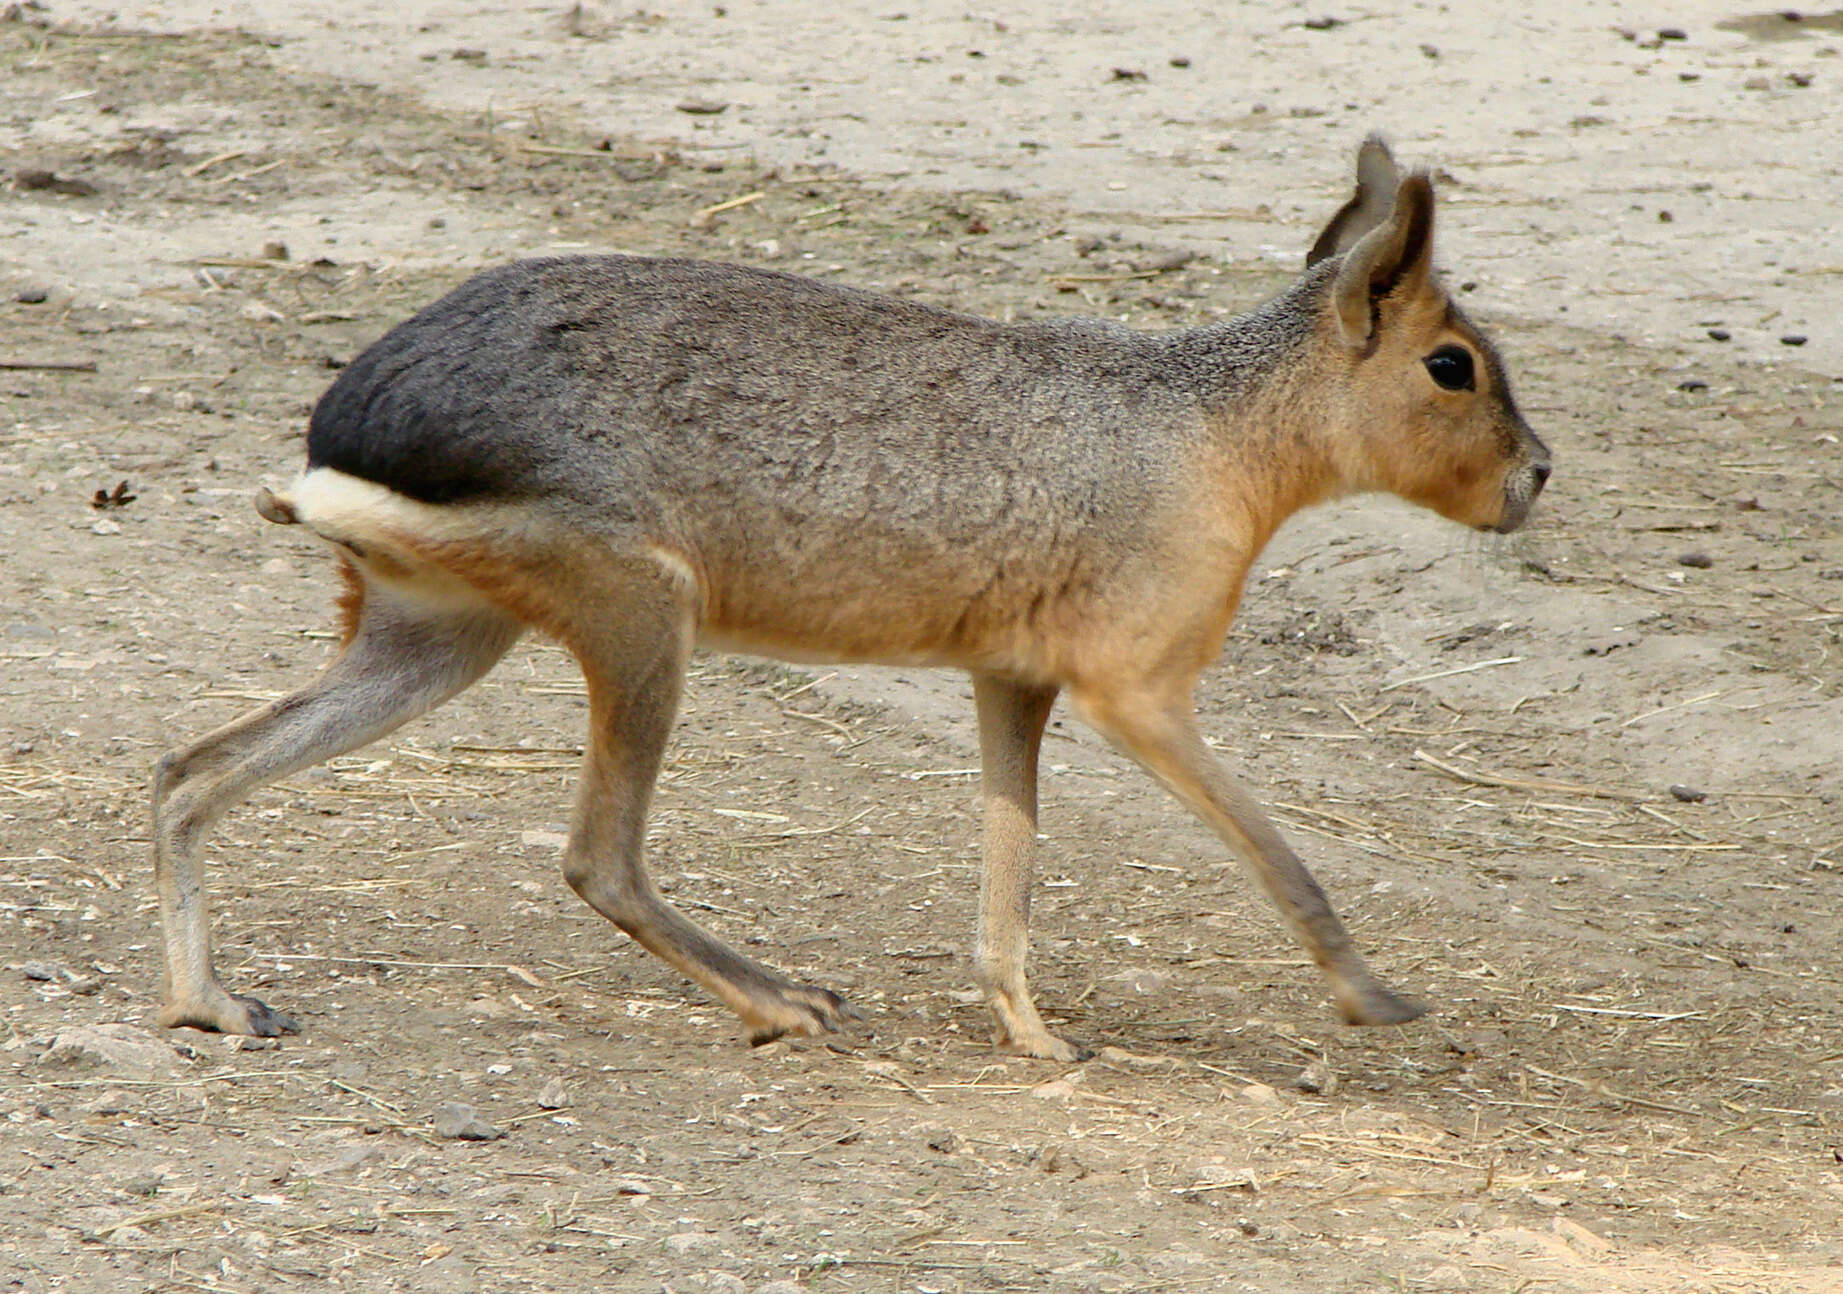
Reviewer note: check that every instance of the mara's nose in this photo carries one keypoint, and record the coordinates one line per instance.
(1540, 470)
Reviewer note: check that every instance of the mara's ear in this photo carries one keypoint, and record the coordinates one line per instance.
(1394, 256)
(1368, 206)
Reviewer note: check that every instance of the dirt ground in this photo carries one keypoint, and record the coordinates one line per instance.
(1577, 788)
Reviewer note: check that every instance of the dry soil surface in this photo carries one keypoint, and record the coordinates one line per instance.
(1578, 789)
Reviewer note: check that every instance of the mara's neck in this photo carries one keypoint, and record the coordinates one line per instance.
(1269, 424)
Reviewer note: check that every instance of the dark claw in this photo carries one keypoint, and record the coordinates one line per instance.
(266, 1021)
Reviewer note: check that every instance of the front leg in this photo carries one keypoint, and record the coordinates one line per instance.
(1011, 719)
(1160, 732)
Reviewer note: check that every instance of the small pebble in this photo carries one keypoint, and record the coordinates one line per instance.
(1672, 33)
(1692, 384)
(1688, 794)
(1180, 61)
(113, 1101)
(552, 1095)
(681, 1243)
(32, 296)
(1793, 339)
(145, 1185)
(944, 1141)
(1701, 561)
(1315, 1079)
(460, 1122)
(1719, 334)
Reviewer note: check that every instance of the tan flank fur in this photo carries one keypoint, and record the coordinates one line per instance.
(638, 456)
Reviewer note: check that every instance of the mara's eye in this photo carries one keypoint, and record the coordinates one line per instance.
(1451, 367)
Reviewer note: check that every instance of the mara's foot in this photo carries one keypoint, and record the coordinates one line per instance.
(798, 1011)
(1043, 1045)
(1377, 1005)
(222, 1012)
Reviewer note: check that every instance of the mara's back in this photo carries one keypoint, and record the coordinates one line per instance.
(545, 376)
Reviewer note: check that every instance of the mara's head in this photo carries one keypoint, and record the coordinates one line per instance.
(1421, 403)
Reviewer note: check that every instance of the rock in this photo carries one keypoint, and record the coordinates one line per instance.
(347, 1160)
(1701, 561)
(118, 1048)
(113, 1101)
(1316, 1079)
(32, 296)
(1165, 262)
(460, 1122)
(943, 1140)
(552, 1095)
(42, 972)
(1581, 1239)
(701, 107)
(1793, 339)
(1688, 794)
(145, 1185)
(681, 1243)
(1056, 1089)
(713, 1282)
(51, 182)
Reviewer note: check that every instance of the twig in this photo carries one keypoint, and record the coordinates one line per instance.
(252, 173)
(1658, 1016)
(1227, 213)
(1528, 783)
(1060, 279)
(49, 365)
(1674, 705)
(1448, 673)
(602, 154)
(702, 215)
(1599, 1089)
(214, 160)
(158, 1215)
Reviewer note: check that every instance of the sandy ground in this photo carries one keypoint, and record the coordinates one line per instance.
(1634, 1078)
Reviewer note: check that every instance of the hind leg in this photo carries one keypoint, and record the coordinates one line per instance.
(635, 670)
(404, 659)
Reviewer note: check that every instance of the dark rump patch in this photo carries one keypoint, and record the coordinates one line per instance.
(431, 410)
